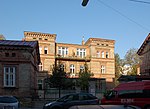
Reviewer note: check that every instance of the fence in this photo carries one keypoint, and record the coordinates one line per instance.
(53, 93)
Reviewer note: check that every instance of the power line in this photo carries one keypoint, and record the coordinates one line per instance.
(140, 1)
(131, 20)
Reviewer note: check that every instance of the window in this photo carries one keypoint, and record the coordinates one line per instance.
(62, 51)
(7, 54)
(40, 67)
(45, 50)
(40, 50)
(130, 94)
(81, 52)
(72, 70)
(13, 54)
(107, 55)
(62, 67)
(102, 69)
(98, 54)
(40, 38)
(81, 68)
(9, 76)
(40, 84)
(102, 54)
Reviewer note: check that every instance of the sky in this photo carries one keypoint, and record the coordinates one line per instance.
(125, 21)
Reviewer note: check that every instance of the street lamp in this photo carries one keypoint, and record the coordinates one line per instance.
(84, 2)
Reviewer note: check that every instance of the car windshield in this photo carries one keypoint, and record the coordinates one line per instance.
(7, 100)
(63, 98)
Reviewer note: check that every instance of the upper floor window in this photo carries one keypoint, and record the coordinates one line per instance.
(40, 67)
(40, 50)
(103, 54)
(7, 54)
(81, 52)
(9, 76)
(62, 51)
(107, 55)
(98, 54)
(103, 69)
(45, 50)
(13, 54)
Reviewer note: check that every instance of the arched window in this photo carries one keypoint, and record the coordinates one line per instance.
(62, 67)
(102, 54)
(72, 70)
(40, 50)
(40, 67)
(102, 69)
(98, 54)
(81, 68)
(107, 55)
(45, 50)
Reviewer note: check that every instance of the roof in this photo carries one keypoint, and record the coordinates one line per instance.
(135, 85)
(18, 43)
(146, 41)
(99, 39)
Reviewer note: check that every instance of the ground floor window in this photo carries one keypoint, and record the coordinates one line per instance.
(9, 76)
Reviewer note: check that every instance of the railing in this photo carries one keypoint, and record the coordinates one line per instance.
(73, 58)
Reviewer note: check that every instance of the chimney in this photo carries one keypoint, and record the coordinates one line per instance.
(83, 40)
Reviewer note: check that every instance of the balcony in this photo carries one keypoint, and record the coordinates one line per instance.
(72, 58)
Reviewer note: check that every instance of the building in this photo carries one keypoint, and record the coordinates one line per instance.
(144, 53)
(19, 68)
(96, 52)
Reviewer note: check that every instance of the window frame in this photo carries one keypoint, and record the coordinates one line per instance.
(9, 77)
(81, 52)
(63, 51)
(103, 69)
(45, 50)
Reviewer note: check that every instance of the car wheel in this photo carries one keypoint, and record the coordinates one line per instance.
(147, 107)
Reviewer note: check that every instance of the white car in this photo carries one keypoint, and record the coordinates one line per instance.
(8, 102)
(105, 107)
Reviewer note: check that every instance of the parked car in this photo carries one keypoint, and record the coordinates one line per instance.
(8, 102)
(105, 107)
(71, 100)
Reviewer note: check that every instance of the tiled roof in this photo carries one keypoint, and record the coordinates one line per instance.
(18, 43)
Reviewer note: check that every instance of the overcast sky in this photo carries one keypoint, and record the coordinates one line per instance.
(125, 21)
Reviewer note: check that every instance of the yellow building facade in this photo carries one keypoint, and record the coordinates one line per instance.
(96, 52)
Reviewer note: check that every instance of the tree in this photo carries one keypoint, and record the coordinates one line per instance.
(84, 76)
(132, 59)
(118, 67)
(2, 37)
(58, 79)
